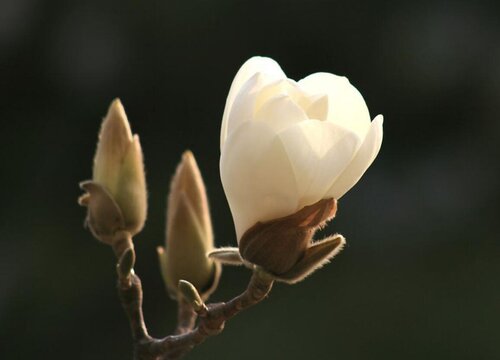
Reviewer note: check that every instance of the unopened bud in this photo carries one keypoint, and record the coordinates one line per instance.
(119, 174)
(126, 263)
(191, 295)
(284, 247)
(189, 234)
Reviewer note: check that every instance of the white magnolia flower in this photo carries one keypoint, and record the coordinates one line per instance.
(286, 144)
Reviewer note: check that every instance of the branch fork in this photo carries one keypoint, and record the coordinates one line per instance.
(211, 318)
(280, 249)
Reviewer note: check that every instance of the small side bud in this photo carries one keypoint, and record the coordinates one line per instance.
(191, 295)
(189, 234)
(126, 263)
(116, 196)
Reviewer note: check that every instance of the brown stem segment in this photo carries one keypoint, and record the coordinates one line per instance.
(130, 293)
(211, 319)
(186, 317)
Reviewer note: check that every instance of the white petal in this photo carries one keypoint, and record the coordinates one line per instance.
(346, 106)
(361, 161)
(252, 95)
(254, 65)
(318, 109)
(257, 178)
(319, 151)
(269, 91)
(299, 95)
(243, 106)
(280, 112)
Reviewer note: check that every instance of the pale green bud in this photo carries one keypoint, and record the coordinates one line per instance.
(118, 166)
(191, 295)
(118, 179)
(189, 234)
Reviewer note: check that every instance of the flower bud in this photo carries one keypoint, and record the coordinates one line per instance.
(191, 295)
(189, 234)
(116, 195)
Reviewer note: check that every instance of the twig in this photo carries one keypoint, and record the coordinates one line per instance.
(186, 317)
(130, 293)
(212, 318)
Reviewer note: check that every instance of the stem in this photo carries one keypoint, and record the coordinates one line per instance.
(130, 293)
(186, 317)
(212, 318)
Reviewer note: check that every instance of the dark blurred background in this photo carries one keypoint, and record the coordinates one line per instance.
(419, 278)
